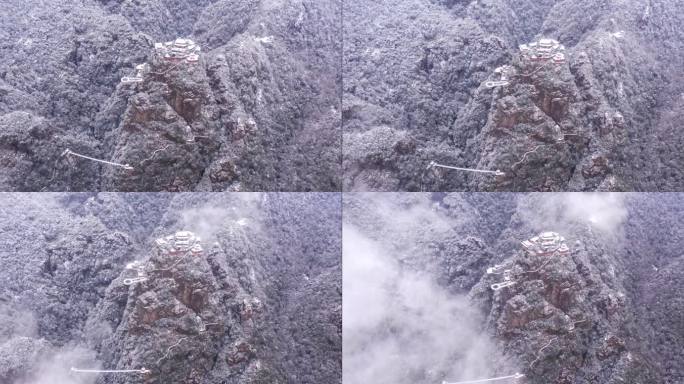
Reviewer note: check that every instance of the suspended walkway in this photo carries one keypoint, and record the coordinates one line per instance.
(437, 165)
(501, 378)
(69, 152)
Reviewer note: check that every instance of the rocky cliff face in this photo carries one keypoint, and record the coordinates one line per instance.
(169, 124)
(225, 314)
(566, 308)
(604, 311)
(414, 93)
(173, 307)
(261, 106)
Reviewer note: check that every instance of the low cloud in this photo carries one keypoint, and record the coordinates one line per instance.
(216, 217)
(400, 327)
(605, 212)
(55, 368)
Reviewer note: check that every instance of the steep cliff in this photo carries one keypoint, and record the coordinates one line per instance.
(601, 309)
(415, 74)
(86, 285)
(262, 103)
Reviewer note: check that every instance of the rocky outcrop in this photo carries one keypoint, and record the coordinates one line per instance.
(562, 308)
(175, 321)
(604, 310)
(168, 132)
(533, 132)
(225, 315)
(415, 72)
(262, 104)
